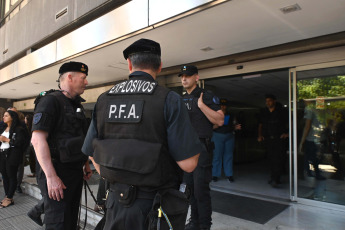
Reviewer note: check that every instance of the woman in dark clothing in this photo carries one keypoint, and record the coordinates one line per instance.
(30, 150)
(12, 141)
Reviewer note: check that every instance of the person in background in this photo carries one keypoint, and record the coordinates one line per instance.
(274, 131)
(224, 144)
(30, 150)
(311, 142)
(12, 141)
(20, 172)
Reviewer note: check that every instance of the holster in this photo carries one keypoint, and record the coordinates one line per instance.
(174, 204)
(127, 193)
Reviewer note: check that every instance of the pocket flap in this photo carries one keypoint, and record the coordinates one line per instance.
(127, 154)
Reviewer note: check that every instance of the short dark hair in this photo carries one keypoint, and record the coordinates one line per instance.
(270, 96)
(145, 61)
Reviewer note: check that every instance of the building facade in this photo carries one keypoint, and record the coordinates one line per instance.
(243, 48)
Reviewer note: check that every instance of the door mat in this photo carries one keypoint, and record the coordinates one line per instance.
(258, 211)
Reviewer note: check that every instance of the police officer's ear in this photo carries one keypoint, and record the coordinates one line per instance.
(197, 77)
(130, 66)
(160, 68)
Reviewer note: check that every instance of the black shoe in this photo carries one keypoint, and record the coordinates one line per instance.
(19, 189)
(192, 225)
(274, 184)
(35, 217)
(214, 179)
(231, 179)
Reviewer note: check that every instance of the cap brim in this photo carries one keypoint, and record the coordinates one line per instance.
(186, 73)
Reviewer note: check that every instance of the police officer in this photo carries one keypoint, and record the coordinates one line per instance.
(59, 128)
(142, 138)
(204, 112)
(274, 130)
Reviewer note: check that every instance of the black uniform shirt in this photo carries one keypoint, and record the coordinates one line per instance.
(200, 122)
(47, 112)
(183, 142)
(274, 123)
(228, 126)
(211, 100)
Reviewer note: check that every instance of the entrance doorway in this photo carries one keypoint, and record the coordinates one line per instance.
(246, 97)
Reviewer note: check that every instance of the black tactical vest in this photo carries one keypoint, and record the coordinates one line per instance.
(132, 141)
(67, 138)
(201, 124)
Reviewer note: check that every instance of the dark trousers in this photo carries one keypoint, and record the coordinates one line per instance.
(199, 182)
(122, 218)
(63, 214)
(20, 172)
(32, 160)
(311, 150)
(276, 151)
(38, 209)
(9, 175)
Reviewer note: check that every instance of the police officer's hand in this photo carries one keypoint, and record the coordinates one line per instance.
(200, 100)
(87, 171)
(260, 138)
(284, 136)
(55, 188)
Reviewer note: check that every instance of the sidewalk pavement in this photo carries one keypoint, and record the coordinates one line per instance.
(15, 216)
(295, 217)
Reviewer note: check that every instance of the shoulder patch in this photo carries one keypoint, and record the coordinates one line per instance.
(134, 87)
(37, 117)
(216, 100)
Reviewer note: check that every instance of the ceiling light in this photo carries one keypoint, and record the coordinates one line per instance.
(207, 49)
(290, 9)
(251, 76)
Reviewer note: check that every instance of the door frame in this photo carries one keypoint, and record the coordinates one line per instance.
(293, 131)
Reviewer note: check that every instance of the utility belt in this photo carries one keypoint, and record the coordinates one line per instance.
(272, 137)
(169, 206)
(127, 194)
(208, 143)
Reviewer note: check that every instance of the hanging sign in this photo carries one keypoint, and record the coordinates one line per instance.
(320, 102)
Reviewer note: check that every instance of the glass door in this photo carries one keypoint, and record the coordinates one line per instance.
(318, 97)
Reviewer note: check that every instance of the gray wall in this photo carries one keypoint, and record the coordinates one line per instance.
(36, 22)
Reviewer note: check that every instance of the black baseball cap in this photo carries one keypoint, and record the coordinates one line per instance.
(143, 46)
(73, 67)
(189, 70)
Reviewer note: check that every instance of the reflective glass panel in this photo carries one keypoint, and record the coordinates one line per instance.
(321, 134)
